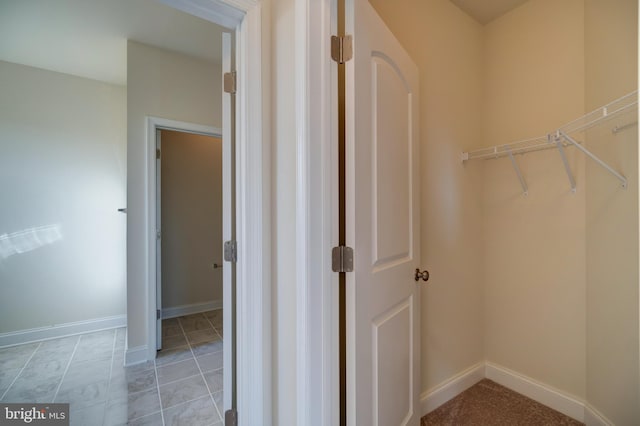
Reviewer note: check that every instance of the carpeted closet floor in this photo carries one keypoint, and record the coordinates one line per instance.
(487, 403)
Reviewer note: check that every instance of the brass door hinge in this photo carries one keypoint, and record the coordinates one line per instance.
(342, 259)
(231, 418)
(230, 82)
(231, 251)
(341, 48)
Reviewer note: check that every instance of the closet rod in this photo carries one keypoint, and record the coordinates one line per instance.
(587, 121)
(618, 129)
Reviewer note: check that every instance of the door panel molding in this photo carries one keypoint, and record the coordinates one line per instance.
(392, 240)
(385, 394)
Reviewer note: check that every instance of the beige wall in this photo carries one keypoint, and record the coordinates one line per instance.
(613, 378)
(191, 219)
(168, 85)
(534, 246)
(62, 179)
(447, 47)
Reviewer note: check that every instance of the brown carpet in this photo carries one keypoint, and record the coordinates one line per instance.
(487, 403)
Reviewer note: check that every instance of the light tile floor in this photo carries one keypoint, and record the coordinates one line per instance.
(182, 387)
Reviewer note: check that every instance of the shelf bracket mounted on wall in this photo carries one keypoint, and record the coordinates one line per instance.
(560, 146)
(560, 139)
(562, 135)
(523, 183)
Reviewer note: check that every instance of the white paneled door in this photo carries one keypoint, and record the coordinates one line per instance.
(383, 198)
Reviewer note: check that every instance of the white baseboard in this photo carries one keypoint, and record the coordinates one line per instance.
(537, 391)
(542, 393)
(137, 355)
(593, 417)
(195, 308)
(435, 397)
(61, 330)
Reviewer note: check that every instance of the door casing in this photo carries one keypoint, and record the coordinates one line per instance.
(154, 125)
(317, 221)
(317, 303)
(253, 194)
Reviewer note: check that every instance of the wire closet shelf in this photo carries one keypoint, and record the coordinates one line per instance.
(560, 139)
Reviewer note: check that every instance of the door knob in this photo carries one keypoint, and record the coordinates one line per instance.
(424, 275)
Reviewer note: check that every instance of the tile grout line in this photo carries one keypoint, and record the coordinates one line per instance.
(75, 348)
(182, 403)
(140, 391)
(188, 359)
(200, 369)
(182, 378)
(155, 370)
(20, 372)
(174, 362)
(146, 415)
(221, 338)
(214, 327)
(113, 351)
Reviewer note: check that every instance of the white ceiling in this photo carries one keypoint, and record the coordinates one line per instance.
(485, 11)
(88, 38)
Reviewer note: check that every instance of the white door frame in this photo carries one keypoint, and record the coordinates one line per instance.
(253, 211)
(316, 214)
(153, 125)
(317, 337)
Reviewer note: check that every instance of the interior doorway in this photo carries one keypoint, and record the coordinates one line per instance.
(189, 218)
(189, 210)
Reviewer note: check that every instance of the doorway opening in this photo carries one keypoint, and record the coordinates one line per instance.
(190, 181)
(246, 116)
(189, 243)
(187, 183)
(189, 279)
